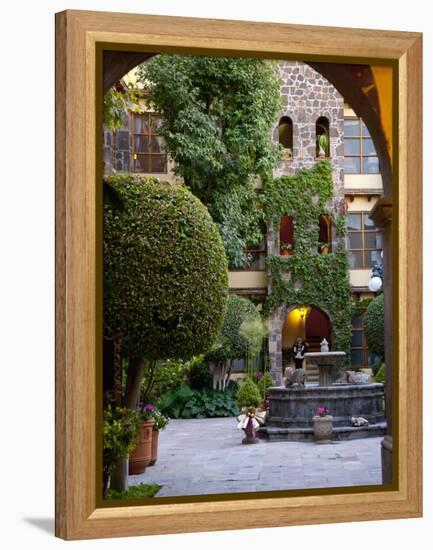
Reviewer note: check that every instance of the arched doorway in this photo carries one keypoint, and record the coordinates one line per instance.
(317, 328)
(311, 323)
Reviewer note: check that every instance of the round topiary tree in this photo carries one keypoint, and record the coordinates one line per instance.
(374, 322)
(248, 394)
(237, 338)
(165, 275)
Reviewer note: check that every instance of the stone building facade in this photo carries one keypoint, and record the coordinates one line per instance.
(307, 98)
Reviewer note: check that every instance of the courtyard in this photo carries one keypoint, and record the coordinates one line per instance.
(205, 456)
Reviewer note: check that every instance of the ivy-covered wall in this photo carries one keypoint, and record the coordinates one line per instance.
(307, 277)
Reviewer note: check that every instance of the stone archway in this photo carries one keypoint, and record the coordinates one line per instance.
(277, 321)
(358, 84)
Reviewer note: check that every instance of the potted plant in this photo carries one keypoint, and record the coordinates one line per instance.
(248, 398)
(120, 431)
(322, 145)
(286, 249)
(142, 454)
(324, 248)
(322, 425)
(159, 423)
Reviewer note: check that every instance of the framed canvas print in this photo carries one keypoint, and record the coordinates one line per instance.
(238, 274)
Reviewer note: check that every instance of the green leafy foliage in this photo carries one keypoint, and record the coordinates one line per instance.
(233, 342)
(248, 394)
(168, 375)
(199, 376)
(265, 382)
(380, 376)
(166, 266)
(306, 277)
(374, 326)
(160, 420)
(120, 431)
(217, 116)
(188, 403)
(117, 105)
(143, 490)
(254, 330)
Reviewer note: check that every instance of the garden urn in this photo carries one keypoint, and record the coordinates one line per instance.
(322, 426)
(141, 456)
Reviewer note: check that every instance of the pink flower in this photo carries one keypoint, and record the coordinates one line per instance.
(148, 408)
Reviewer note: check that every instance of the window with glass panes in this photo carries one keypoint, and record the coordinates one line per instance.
(148, 156)
(360, 356)
(360, 155)
(364, 241)
(256, 254)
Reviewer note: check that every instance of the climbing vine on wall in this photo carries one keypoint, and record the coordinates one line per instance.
(308, 277)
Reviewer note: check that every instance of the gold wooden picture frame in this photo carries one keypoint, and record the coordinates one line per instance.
(81, 39)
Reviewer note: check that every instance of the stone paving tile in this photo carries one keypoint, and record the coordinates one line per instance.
(205, 456)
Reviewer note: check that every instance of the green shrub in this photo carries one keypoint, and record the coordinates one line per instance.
(248, 394)
(160, 421)
(168, 375)
(380, 376)
(120, 431)
(374, 321)
(165, 268)
(234, 343)
(265, 382)
(135, 491)
(188, 403)
(199, 376)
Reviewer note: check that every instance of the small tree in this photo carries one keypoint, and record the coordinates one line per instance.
(248, 394)
(217, 120)
(165, 275)
(374, 326)
(237, 337)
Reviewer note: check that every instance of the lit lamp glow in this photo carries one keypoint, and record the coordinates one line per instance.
(375, 284)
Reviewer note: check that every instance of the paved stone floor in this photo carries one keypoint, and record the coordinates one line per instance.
(205, 456)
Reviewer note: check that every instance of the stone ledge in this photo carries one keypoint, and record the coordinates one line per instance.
(339, 433)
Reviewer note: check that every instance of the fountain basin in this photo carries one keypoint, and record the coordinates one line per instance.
(328, 363)
(291, 410)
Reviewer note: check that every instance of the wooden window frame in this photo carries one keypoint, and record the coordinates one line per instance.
(149, 154)
(363, 348)
(363, 250)
(361, 138)
(81, 37)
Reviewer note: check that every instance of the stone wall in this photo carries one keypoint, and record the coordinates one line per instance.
(306, 96)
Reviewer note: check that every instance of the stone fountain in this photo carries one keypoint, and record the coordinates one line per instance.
(292, 408)
(328, 362)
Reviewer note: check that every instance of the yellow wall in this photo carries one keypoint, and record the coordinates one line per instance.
(293, 327)
(359, 277)
(248, 279)
(360, 203)
(363, 181)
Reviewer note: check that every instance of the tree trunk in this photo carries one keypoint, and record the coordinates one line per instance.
(229, 371)
(134, 378)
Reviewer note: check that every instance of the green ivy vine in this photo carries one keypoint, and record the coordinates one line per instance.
(307, 277)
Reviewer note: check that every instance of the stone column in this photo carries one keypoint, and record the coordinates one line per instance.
(276, 321)
(382, 217)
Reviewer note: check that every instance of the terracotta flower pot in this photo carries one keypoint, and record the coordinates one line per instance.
(154, 449)
(142, 454)
(322, 426)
